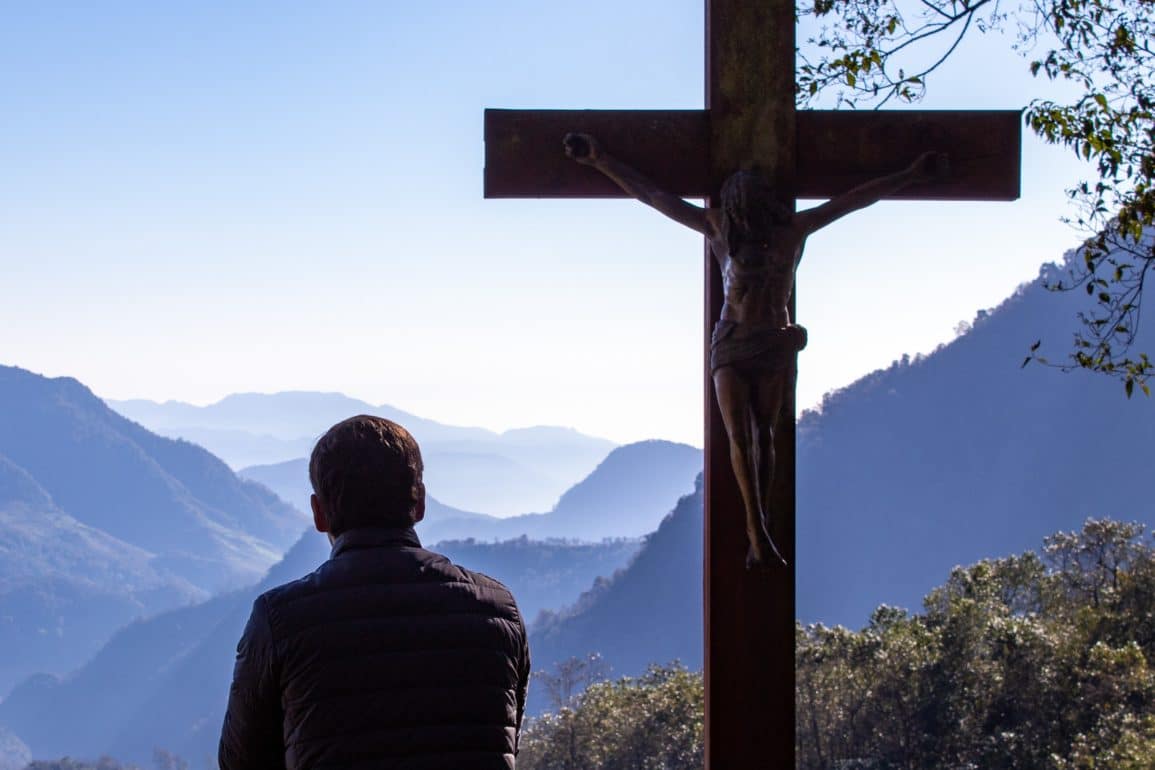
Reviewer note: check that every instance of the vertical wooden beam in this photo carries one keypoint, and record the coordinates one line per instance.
(749, 645)
(750, 86)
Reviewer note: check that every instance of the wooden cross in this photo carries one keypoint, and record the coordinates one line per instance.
(750, 120)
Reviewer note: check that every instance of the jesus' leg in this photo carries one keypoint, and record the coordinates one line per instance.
(767, 398)
(734, 401)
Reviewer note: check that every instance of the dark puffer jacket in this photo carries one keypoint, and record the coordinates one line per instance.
(388, 656)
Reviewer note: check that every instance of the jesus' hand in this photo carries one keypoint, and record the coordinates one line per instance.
(931, 167)
(583, 148)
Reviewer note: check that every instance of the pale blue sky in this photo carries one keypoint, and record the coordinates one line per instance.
(204, 198)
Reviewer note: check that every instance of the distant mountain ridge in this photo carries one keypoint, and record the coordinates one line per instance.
(476, 469)
(621, 497)
(290, 481)
(285, 415)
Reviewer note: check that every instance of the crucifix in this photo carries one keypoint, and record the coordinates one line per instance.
(750, 122)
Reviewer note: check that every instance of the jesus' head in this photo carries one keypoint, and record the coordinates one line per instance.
(751, 207)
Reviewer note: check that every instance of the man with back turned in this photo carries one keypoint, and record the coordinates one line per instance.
(388, 656)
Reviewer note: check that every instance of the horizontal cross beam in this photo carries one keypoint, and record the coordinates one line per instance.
(835, 150)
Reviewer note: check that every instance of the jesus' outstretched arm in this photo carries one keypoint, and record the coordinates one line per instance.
(586, 150)
(928, 166)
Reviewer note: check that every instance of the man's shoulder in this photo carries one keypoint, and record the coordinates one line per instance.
(488, 583)
(486, 587)
(421, 570)
(302, 585)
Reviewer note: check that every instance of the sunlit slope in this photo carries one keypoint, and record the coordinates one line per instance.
(170, 498)
(65, 587)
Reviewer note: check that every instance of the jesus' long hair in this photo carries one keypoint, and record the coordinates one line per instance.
(750, 209)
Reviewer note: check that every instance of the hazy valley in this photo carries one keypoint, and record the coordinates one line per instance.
(130, 560)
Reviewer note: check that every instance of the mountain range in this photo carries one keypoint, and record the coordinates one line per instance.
(650, 612)
(102, 521)
(75, 567)
(170, 497)
(473, 469)
(66, 587)
(163, 681)
(937, 461)
(290, 481)
(626, 495)
(964, 454)
(934, 461)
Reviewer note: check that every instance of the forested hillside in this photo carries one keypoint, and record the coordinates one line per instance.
(650, 612)
(961, 455)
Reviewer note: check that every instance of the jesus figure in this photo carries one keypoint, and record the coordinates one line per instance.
(757, 240)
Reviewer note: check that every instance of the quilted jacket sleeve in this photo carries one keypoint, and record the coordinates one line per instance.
(523, 678)
(252, 737)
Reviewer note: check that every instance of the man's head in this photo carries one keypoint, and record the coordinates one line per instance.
(366, 472)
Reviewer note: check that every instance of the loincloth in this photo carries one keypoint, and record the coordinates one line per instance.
(755, 347)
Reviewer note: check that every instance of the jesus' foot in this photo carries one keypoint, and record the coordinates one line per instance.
(764, 555)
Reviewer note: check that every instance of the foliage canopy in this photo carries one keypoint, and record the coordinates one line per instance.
(870, 52)
(1032, 661)
(653, 722)
(1042, 660)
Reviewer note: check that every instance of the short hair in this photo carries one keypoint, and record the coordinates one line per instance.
(367, 470)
